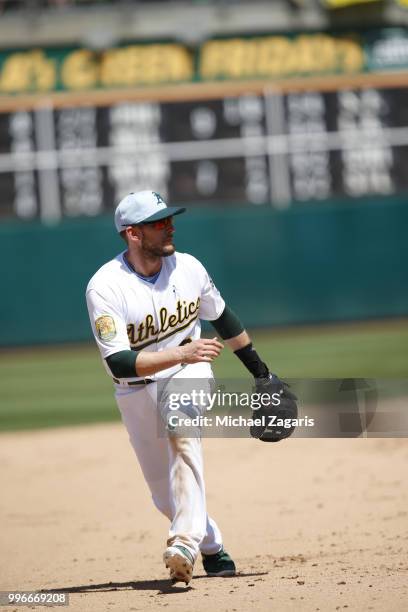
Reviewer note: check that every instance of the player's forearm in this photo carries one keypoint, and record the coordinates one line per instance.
(238, 342)
(128, 364)
(243, 349)
(200, 350)
(148, 363)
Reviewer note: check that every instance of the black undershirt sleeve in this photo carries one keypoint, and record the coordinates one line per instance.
(123, 364)
(228, 324)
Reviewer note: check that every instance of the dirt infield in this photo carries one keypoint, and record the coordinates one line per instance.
(311, 524)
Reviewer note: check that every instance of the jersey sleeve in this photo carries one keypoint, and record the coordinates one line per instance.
(211, 302)
(108, 323)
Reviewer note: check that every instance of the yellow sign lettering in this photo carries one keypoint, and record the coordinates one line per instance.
(273, 56)
(28, 71)
(43, 72)
(279, 56)
(262, 57)
(79, 70)
(350, 56)
(148, 64)
(15, 74)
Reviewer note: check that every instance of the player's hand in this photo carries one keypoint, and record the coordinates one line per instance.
(201, 350)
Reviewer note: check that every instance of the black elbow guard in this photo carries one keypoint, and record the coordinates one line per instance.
(123, 364)
(228, 324)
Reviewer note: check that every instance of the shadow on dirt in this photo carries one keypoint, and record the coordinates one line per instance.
(159, 586)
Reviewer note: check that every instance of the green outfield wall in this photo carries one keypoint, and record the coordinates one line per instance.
(317, 263)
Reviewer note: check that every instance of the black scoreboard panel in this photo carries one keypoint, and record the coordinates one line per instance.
(271, 149)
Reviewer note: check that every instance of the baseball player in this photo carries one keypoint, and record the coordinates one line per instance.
(145, 308)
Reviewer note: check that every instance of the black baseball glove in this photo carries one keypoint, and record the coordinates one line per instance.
(276, 412)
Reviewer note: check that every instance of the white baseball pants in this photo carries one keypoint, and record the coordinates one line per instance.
(172, 467)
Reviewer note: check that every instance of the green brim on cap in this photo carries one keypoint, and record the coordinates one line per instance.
(169, 211)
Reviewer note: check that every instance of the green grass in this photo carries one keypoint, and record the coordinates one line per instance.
(66, 385)
(46, 388)
(368, 351)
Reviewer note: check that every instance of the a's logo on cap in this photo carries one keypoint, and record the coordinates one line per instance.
(159, 199)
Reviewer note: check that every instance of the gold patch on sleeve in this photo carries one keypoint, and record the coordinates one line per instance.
(105, 326)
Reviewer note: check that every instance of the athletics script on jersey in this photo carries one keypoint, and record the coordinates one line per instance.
(148, 332)
(127, 312)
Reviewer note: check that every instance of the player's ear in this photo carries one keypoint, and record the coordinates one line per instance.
(132, 233)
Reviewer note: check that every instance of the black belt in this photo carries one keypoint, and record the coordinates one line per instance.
(131, 383)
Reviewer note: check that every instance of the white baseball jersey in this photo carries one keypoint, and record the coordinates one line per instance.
(128, 312)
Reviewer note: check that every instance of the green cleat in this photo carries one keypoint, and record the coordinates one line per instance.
(219, 564)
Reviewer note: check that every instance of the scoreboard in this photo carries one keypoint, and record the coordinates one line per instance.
(262, 148)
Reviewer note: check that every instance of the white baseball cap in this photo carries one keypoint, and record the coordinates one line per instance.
(143, 207)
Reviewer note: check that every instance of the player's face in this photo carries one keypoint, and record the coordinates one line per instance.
(157, 238)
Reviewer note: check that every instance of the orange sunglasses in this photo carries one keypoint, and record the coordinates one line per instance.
(160, 224)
